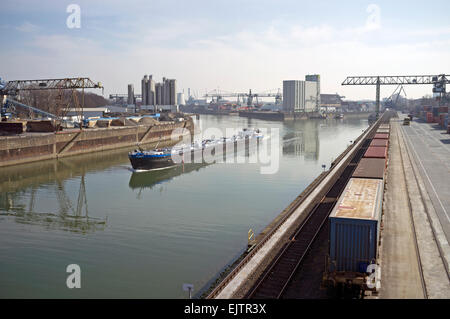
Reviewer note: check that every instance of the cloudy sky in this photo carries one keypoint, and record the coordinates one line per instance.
(230, 45)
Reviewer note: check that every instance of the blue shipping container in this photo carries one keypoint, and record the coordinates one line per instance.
(355, 225)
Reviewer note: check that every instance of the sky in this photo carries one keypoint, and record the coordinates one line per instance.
(227, 45)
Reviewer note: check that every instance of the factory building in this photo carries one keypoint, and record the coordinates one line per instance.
(148, 90)
(130, 98)
(159, 93)
(169, 92)
(315, 78)
(301, 96)
(180, 98)
(330, 102)
(144, 90)
(154, 93)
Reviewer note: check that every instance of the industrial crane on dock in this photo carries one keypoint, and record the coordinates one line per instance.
(11, 89)
(393, 100)
(438, 81)
(248, 97)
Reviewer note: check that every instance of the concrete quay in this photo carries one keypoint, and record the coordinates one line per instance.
(414, 253)
(31, 147)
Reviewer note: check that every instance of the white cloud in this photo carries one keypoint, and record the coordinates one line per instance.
(27, 27)
(260, 60)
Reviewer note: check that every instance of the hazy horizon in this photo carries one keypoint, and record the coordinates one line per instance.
(227, 45)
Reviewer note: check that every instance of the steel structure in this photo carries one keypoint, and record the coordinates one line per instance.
(216, 94)
(13, 88)
(121, 98)
(396, 79)
(439, 82)
(393, 99)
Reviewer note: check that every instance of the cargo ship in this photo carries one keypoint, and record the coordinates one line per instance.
(160, 158)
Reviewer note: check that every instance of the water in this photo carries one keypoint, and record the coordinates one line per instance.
(144, 235)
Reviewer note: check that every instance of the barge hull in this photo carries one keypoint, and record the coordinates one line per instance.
(31, 147)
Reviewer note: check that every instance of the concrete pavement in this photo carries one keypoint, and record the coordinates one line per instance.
(414, 254)
(400, 269)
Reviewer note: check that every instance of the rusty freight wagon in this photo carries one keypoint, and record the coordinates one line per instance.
(376, 152)
(370, 168)
(379, 142)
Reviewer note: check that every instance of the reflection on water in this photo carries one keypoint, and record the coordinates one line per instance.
(44, 182)
(148, 179)
(303, 141)
(69, 216)
(133, 240)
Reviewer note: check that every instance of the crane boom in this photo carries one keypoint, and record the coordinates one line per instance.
(13, 87)
(439, 82)
(397, 79)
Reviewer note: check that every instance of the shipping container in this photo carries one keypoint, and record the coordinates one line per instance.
(435, 111)
(379, 142)
(376, 152)
(384, 126)
(355, 226)
(382, 136)
(383, 130)
(370, 168)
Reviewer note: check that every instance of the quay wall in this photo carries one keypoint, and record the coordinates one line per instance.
(272, 116)
(30, 147)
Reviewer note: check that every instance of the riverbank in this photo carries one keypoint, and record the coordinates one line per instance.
(31, 147)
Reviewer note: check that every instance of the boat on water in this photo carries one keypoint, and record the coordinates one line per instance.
(160, 158)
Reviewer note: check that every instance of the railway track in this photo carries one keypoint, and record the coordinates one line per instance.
(323, 207)
(276, 278)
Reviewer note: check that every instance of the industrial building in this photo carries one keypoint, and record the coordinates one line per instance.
(130, 98)
(302, 96)
(154, 93)
(330, 102)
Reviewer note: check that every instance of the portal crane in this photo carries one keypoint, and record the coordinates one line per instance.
(248, 97)
(122, 98)
(392, 101)
(439, 83)
(12, 88)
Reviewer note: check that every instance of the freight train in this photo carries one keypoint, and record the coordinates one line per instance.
(354, 223)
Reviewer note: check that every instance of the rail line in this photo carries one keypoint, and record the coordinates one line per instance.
(299, 200)
(274, 281)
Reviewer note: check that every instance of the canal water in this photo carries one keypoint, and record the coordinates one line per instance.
(143, 235)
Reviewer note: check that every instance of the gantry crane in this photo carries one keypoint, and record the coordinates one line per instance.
(122, 98)
(439, 83)
(249, 97)
(9, 90)
(392, 101)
